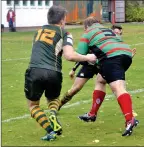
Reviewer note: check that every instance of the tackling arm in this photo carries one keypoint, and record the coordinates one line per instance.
(77, 64)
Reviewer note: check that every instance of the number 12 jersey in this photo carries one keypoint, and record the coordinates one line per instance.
(47, 47)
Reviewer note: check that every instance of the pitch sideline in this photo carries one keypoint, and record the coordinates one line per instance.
(68, 106)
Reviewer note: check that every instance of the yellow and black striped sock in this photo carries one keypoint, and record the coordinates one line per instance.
(66, 98)
(41, 118)
(53, 105)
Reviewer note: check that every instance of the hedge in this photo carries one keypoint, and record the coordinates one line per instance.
(134, 12)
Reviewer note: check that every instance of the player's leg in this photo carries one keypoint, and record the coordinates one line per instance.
(85, 73)
(115, 77)
(125, 103)
(53, 87)
(76, 87)
(33, 91)
(98, 97)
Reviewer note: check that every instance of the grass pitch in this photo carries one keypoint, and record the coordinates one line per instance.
(18, 129)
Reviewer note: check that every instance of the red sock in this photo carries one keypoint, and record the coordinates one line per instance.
(125, 103)
(98, 97)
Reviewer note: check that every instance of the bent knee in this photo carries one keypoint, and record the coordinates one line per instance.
(100, 79)
(118, 87)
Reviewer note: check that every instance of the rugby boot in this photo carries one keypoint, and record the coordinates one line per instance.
(55, 124)
(129, 127)
(87, 118)
(49, 136)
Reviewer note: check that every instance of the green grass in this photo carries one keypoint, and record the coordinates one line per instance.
(110, 123)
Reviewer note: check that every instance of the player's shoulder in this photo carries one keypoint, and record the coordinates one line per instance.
(66, 33)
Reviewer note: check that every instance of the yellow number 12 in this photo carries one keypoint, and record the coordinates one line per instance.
(46, 35)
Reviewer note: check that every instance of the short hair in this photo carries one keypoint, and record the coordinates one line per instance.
(90, 21)
(56, 14)
(116, 26)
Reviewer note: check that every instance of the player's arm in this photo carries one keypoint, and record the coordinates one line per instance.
(71, 55)
(72, 72)
(83, 45)
(133, 52)
(77, 64)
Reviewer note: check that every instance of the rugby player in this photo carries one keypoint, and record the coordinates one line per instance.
(86, 72)
(114, 59)
(120, 58)
(44, 71)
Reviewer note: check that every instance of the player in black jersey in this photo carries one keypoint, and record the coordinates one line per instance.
(44, 71)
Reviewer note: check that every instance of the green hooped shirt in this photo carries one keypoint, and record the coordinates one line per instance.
(47, 47)
(103, 42)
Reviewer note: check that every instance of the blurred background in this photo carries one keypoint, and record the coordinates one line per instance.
(32, 13)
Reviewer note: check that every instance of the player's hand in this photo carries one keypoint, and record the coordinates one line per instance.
(72, 74)
(133, 52)
(91, 58)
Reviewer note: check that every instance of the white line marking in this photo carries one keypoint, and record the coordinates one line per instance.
(15, 59)
(70, 105)
(5, 60)
(137, 44)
